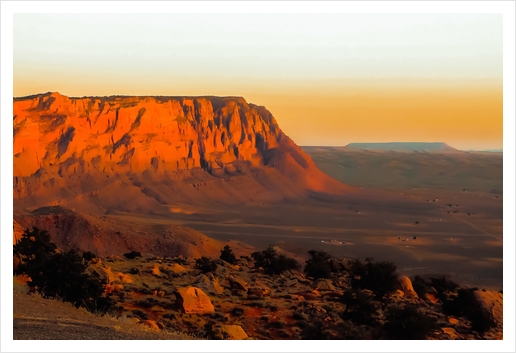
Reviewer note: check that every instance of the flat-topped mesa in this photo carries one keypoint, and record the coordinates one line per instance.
(139, 133)
(76, 143)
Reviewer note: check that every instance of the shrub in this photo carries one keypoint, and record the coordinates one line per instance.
(443, 286)
(205, 265)
(133, 254)
(466, 304)
(407, 323)
(227, 255)
(379, 277)
(359, 308)
(88, 255)
(318, 266)
(420, 286)
(60, 275)
(272, 263)
(315, 331)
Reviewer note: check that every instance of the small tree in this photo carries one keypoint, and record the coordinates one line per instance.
(359, 308)
(269, 260)
(205, 264)
(227, 255)
(379, 277)
(59, 275)
(318, 266)
(407, 323)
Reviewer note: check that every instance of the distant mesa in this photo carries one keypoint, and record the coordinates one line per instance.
(403, 146)
(142, 154)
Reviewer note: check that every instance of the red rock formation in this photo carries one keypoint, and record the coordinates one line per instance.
(137, 153)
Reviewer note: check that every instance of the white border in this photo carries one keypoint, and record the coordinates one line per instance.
(507, 8)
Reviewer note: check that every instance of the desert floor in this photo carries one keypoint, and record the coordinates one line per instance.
(458, 233)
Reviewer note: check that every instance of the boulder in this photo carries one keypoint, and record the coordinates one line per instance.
(209, 283)
(150, 324)
(492, 302)
(193, 301)
(406, 286)
(234, 332)
(17, 261)
(323, 284)
(238, 283)
(155, 270)
(431, 298)
(177, 268)
(259, 288)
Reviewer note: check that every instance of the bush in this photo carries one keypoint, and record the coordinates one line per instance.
(318, 266)
(60, 275)
(88, 255)
(408, 323)
(315, 331)
(359, 308)
(443, 286)
(420, 286)
(466, 304)
(227, 255)
(379, 277)
(205, 264)
(133, 254)
(272, 263)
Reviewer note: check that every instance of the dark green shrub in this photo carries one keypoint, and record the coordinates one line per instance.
(407, 323)
(132, 255)
(205, 265)
(443, 286)
(269, 260)
(88, 255)
(420, 286)
(227, 255)
(318, 266)
(467, 305)
(379, 277)
(359, 308)
(237, 312)
(60, 275)
(315, 331)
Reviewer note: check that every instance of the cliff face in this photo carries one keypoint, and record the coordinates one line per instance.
(77, 146)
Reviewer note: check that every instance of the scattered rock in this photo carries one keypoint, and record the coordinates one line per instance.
(323, 284)
(238, 283)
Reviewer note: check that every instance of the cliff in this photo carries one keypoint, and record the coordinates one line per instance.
(125, 152)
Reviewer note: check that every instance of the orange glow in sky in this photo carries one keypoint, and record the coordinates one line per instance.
(343, 78)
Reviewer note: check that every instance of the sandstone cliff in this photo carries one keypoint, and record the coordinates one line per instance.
(146, 153)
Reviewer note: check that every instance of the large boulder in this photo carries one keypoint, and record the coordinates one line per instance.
(406, 286)
(193, 301)
(492, 302)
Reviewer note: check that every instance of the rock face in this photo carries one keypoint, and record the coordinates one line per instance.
(194, 301)
(406, 286)
(87, 150)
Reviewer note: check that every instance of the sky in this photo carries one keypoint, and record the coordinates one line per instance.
(329, 79)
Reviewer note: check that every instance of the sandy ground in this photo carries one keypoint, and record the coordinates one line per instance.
(448, 240)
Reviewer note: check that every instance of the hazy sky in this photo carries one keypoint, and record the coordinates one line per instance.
(329, 79)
